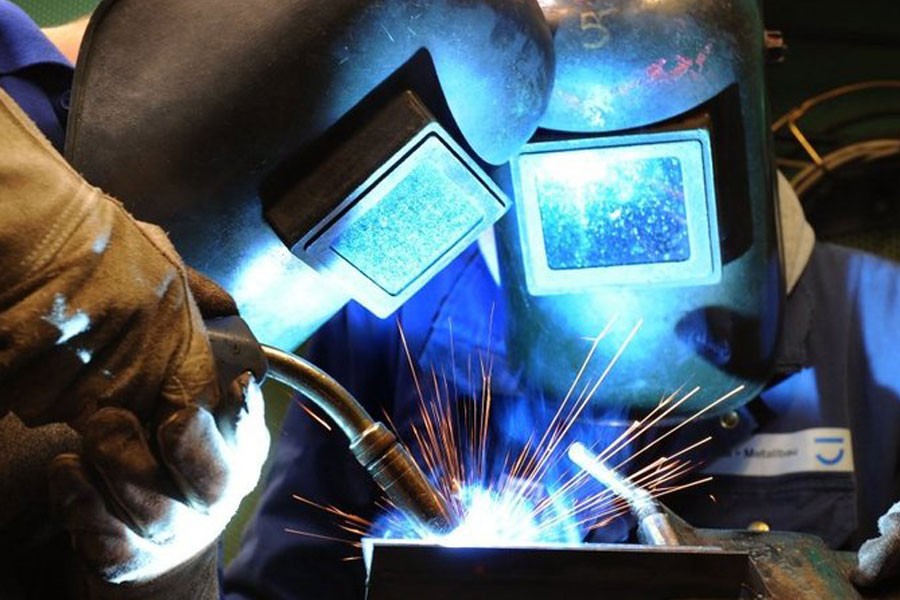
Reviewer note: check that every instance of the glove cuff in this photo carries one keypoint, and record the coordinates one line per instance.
(196, 579)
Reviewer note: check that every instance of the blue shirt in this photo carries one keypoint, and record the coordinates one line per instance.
(34, 72)
(842, 374)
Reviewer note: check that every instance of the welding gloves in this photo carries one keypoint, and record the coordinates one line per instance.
(94, 307)
(135, 515)
(98, 329)
(879, 558)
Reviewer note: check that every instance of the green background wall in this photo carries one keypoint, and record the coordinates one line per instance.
(54, 12)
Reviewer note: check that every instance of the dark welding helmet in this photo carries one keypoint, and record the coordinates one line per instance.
(304, 152)
(647, 198)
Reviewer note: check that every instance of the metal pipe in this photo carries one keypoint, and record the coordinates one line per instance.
(654, 527)
(373, 445)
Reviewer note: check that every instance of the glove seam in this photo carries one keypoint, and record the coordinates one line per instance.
(60, 233)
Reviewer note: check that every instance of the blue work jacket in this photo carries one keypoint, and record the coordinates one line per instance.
(34, 72)
(817, 452)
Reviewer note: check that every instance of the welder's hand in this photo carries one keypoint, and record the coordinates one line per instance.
(879, 558)
(94, 306)
(135, 513)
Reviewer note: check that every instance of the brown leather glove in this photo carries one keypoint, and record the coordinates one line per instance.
(98, 329)
(94, 306)
(144, 514)
(138, 509)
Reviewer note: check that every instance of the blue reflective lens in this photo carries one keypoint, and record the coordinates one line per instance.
(418, 218)
(624, 212)
(405, 223)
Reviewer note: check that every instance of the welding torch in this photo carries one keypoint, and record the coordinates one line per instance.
(374, 446)
(654, 526)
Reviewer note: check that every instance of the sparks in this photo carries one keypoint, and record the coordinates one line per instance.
(518, 495)
(315, 417)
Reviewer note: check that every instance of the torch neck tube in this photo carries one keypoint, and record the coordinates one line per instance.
(340, 406)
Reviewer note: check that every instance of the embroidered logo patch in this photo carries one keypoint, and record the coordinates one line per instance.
(824, 449)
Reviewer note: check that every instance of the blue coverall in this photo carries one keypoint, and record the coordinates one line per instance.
(34, 72)
(837, 353)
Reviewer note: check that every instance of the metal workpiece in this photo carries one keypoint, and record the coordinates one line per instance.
(723, 565)
(794, 565)
(778, 564)
(374, 446)
(409, 570)
(654, 529)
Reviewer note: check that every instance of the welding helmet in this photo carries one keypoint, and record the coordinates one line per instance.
(303, 153)
(645, 204)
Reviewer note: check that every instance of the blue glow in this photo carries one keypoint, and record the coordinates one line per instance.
(101, 243)
(495, 516)
(492, 519)
(497, 508)
(598, 212)
(274, 292)
(184, 530)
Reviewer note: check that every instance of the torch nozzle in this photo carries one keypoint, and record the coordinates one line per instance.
(374, 446)
(396, 472)
(654, 527)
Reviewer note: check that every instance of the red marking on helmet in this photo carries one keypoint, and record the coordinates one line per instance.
(683, 65)
(657, 70)
(702, 56)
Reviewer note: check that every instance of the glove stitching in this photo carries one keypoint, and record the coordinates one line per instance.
(187, 341)
(70, 220)
(184, 346)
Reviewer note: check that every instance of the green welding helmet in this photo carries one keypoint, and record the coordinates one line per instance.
(644, 210)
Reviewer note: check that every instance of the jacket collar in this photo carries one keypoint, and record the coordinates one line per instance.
(23, 44)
